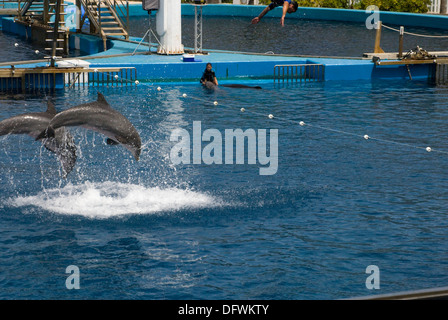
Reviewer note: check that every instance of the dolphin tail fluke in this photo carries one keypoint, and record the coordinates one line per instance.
(67, 158)
(47, 133)
(63, 144)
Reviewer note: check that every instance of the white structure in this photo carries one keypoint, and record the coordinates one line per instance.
(169, 27)
(254, 2)
(75, 78)
(438, 6)
(434, 7)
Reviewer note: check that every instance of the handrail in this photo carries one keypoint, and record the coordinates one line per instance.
(119, 8)
(122, 9)
(25, 5)
(88, 6)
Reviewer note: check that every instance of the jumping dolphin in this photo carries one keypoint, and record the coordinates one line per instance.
(100, 117)
(32, 124)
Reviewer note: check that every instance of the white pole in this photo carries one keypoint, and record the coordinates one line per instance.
(169, 27)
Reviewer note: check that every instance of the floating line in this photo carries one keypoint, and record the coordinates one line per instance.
(414, 34)
(300, 123)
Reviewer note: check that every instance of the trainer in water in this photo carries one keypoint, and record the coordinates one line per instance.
(208, 77)
(210, 81)
(32, 124)
(289, 6)
(98, 116)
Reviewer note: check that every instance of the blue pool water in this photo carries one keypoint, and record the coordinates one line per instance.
(297, 37)
(18, 49)
(154, 230)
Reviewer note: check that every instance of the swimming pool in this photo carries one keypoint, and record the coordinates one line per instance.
(298, 37)
(24, 50)
(155, 230)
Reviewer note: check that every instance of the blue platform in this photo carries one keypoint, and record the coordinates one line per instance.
(234, 65)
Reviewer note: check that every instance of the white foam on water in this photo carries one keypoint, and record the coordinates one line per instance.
(110, 199)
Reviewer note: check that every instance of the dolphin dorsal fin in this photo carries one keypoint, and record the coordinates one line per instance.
(51, 109)
(102, 100)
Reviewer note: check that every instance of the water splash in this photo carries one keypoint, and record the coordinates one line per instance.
(110, 199)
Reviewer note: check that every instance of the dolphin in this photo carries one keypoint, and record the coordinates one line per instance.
(211, 86)
(241, 86)
(100, 117)
(32, 124)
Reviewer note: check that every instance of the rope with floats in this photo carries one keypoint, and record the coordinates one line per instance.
(290, 121)
(301, 123)
(414, 34)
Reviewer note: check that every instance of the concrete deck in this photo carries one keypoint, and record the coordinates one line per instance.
(227, 65)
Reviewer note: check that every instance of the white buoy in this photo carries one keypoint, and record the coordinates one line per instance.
(428, 149)
(158, 88)
(242, 109)
(36, 52)
(116, 76)
(215, 103)
(137, 82)
(302, 123)
(16, 44)
(184, 95)
(270, 116)
(366, 137)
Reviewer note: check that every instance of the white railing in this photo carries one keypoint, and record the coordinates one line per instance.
(353, 2)
(434, 7)
(246, 2)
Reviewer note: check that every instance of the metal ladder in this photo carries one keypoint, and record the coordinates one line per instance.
(107, 18)
(41, 13)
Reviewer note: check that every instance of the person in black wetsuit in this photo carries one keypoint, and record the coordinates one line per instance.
(289, 6)
(209, 75)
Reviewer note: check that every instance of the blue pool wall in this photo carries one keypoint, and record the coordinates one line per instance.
(335, 69)
(85, 43)
(229, 66)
